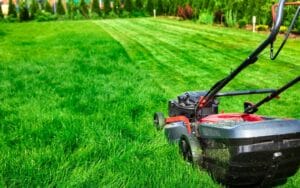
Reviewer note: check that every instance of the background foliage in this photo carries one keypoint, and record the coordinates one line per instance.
(226, 12)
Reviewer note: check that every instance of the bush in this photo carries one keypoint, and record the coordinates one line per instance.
(262, 27)
(95, 16)
(206, 17)
(242, 23)
(11, 18)
(185, 12)
(44, 16)
(125, 14)
(283, 29)
(112, 14)
(138, 14)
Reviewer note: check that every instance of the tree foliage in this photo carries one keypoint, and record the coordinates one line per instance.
(33, 8)
(128, 6)
(139, 5)
(60, 10)
(96, 7)
(107, 6)
(1, 13)
(48, 7)
(24, 11)
(83, 8)
(12, 9)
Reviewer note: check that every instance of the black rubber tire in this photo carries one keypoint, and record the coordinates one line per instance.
(190, 149)
(159, 120)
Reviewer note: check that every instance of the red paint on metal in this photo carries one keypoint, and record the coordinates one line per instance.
(215, 118)
(180, 118)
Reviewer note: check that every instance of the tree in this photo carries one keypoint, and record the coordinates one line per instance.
(159, 7)
(139, 5)
(1, 13)
(48, 7)
(24, 12)
(107, 7)
(128, 5)
(83, 8)
(117, 7)
(96, 7)
(60, 10)
(150, 7)
(33, 8)
(12, 9)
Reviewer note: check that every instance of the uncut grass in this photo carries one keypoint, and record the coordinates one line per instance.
(76, 105)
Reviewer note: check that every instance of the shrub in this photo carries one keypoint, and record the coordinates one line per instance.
(206, 17)
(138, 14)
(125, 14)
(283, 29)
(242, 23)
(185, 12)
(24, 12)
(262, 27)
(94, 15)
(112, 14)
(44, 16)
(11, 19)
(230, 18)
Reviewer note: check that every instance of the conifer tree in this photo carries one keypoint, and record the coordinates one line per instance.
(96, 7)
(83, 8)
(48, 7)
(150, 6)
(107, 7)
(159, 7)
(12, 9)
(24, 12)
(1, 13)
(139, 5)
(117, 6)
(33, 8)
(60, 10)
(128, 5)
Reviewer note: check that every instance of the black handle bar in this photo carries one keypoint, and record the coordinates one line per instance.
(210, 95)
(252, 109)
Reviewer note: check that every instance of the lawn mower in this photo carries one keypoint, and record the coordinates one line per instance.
(237, 149)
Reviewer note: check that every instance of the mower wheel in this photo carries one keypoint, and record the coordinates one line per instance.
(159, 120)
(190, 149)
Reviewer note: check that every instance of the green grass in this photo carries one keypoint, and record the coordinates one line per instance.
(77, 98)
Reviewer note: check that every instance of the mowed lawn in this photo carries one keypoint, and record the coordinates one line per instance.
(77, 98)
